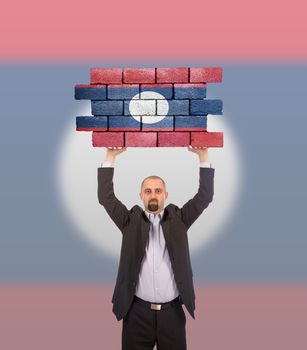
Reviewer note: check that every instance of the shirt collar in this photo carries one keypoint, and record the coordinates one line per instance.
(160, 214)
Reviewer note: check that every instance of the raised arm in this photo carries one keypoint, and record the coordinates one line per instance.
(195, 206)
(114, 207)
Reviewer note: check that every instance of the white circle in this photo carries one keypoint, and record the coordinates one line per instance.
(76, 174)
(152, 106)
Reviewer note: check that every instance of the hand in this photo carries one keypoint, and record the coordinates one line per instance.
(201, 151)
(112, 152)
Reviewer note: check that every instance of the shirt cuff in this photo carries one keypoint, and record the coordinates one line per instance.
(205, 165)
(107, 165)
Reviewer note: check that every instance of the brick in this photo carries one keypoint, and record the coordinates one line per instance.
(206, 75)
(91, 123)
(204, 107)
(140, 139)
(90, 92)
(172, 75)
(123, 123)
(155, 124)
(107, 107)
(166, 90)
(107, 139)
(123, 91)
(190, 91)
(140, 107)
(189, 123)
(139, 75)
(173, 139)
(175, 107)
(207, 139)
(106, 75)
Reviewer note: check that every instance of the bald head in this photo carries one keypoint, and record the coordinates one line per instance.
(153, 177)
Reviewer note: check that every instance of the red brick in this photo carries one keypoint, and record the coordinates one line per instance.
(139, 75)
(172, 75)
(107, 139)
(206, 75)
(207, 139)
(106, 75)
(140, 139)
(173, 139)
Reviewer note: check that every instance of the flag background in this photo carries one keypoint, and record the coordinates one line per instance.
(55, 288)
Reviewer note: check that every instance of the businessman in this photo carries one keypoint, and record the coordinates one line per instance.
(155, 275)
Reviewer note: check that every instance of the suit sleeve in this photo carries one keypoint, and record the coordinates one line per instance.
(114, 207)
(192, 209)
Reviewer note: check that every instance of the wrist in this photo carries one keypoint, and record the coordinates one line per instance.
(204, 159)
(109, 160)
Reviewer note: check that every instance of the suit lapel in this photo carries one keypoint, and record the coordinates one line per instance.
(145, 226)
(165, 223)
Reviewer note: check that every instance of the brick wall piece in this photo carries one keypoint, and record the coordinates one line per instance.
(107, 139)
(173, 139)
(206, 75)
(166, 124)
(207, 139)
(140, 139)
(139, 75)
(90, 92)
(165, 90)
(204, 107)
(123, 123)
(189, 123)
(172, 75)
(107, 107)
(106, 75)
(190, 91)
(175, 107)
(140, 107)
(123, 91)
(91, 123)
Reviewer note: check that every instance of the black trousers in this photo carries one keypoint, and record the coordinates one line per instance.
(143, 328)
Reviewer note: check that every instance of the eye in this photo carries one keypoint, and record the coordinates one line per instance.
(147, 191)
(158, 190)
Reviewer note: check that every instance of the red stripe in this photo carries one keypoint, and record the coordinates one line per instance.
(106, 30)
(80, 316)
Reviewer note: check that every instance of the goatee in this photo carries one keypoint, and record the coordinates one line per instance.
(153, 206)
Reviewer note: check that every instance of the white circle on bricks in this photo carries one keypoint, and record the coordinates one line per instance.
(76, 175)
(148, 106)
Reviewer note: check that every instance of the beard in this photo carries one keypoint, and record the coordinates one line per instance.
(153, 205)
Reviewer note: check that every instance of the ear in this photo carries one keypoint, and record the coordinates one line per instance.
(166, 195)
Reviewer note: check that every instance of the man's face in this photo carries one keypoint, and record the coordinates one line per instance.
(153, 195)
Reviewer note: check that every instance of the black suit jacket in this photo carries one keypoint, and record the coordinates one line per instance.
(134, 226)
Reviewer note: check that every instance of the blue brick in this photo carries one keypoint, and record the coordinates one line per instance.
(107, 107)
(166, 124)
(204, 107)
(189, 122)
(165, 90)
(88, 92)
(91, 123)
(190, 91)
(121, 123)
(122, 92)
(176, 107)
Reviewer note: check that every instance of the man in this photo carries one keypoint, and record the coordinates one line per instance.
(155, 275)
